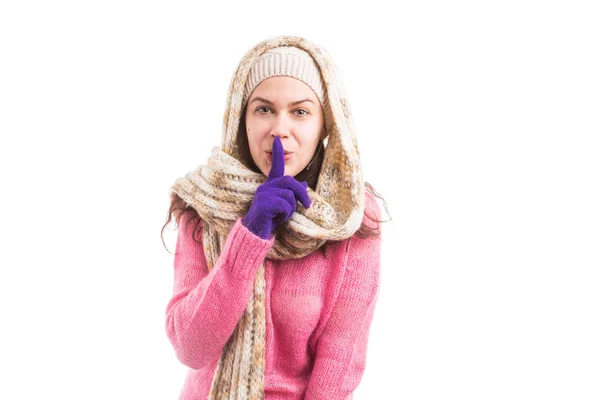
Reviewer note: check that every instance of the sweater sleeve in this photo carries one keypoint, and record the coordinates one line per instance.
(341, 349)
(206, 307)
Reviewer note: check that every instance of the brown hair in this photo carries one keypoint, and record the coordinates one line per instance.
(179, 207)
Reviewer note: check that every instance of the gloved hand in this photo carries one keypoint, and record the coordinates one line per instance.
(275, 200)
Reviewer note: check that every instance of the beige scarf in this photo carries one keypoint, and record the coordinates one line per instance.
(222, 191)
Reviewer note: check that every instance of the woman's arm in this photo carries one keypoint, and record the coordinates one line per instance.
(341, 349)
(205, 307)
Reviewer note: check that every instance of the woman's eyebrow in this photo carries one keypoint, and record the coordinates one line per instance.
(271, 103)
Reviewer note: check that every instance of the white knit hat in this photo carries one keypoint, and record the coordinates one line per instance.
(289, 61)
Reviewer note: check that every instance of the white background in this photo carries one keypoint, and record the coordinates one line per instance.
(477, 121)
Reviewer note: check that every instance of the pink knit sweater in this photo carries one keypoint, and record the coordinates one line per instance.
(318, 311)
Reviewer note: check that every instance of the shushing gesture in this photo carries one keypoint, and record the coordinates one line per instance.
(275, 200)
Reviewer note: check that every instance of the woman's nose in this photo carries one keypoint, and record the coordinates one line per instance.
(281, 127)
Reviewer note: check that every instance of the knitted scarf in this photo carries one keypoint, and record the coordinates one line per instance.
(222, 190)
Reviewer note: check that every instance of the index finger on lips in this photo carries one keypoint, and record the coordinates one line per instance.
(278, 162)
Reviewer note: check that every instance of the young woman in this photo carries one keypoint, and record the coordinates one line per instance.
(277, 256)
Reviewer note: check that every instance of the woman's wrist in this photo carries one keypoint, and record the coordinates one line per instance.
(261, 229)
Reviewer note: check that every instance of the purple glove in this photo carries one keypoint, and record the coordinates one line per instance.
(275, 200)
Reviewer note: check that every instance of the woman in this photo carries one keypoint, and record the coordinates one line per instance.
(277, 255)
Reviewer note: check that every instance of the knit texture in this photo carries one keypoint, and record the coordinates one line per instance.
(318, 312)
(286, 61)
(222, 190)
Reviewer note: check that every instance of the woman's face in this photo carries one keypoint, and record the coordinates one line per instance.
(286, 107)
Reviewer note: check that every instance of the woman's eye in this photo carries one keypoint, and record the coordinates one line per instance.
(263, 109)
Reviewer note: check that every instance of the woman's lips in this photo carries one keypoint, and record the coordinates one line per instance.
(285, 157)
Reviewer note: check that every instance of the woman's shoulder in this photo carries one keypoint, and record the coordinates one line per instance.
(372, 212)
(371, 216)
(189, 223)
